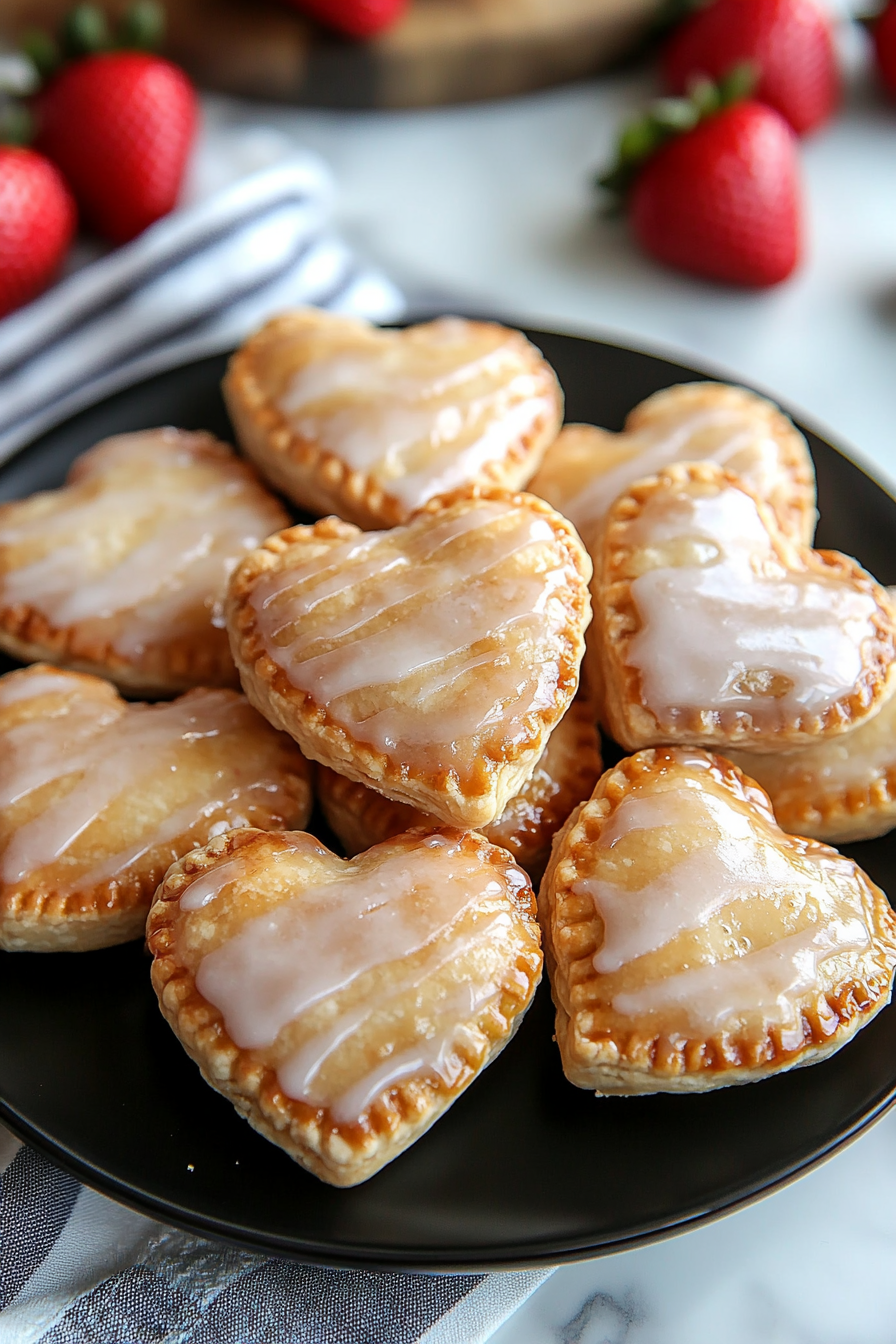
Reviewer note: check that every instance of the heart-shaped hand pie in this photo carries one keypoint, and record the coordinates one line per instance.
(840, 790)
(430, 662)
(692, 944)
(370, 424)
(123, 571)
(342, 1006)
(586, 469)
(98, 797)
(566, 773)
(713, 629)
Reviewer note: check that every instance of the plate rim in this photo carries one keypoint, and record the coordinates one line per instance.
(478, 1261)
(423, 1263)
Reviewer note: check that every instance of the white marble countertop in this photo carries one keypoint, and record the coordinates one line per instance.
(490, 205)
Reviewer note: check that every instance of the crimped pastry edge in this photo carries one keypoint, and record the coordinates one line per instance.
(36, 916)
(320, 738)
(165, 669)
(797, 522)
(360, 816)
(308, 1134)
(318, 480)
(180, 666)
(863, 812)
(635, 726)
(653, 1063)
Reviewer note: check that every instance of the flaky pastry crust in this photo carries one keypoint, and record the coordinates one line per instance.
(339, 1151)
(65, 750)
(660, 1050)
(429, 372)
(142, 475)
(839, 791)
(617, 684)
(566, 773)
(484, 771)
(586, 468)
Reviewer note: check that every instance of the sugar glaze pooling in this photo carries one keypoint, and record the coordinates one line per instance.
(726, 627)
(306, 966)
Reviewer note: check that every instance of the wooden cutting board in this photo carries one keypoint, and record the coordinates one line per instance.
(443, 51)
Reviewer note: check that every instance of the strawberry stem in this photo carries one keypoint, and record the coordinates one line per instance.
(666, 118)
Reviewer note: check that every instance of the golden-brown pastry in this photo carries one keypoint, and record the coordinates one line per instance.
(343, 1005)
(370, 424)
(566, 773)
(98, 797)
(586, 468)
(122, 572)
(713, 629)
(692, 944)
(839, 790)
(431, 661)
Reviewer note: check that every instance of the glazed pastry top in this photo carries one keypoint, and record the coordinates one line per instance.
(725, 624)
(723, 630)
(430, 636)
(419, 411)
(587, 468)
(73, 754)
(711, 919)
(144, 536)
(350, 977)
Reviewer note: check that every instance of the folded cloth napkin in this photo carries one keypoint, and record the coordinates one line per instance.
(75, 1268)
(193, 284)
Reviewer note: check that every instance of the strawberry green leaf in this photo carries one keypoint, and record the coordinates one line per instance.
(85, 31)
(142, 26)
(16, 123)
(42, 50)
(668, 117)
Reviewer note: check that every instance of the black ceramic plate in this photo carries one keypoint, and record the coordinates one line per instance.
(524, 1169)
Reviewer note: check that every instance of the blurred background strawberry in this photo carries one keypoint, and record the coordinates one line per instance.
(118, 123)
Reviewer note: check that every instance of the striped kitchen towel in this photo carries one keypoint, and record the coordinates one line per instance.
(193, 284)
(75, 1268)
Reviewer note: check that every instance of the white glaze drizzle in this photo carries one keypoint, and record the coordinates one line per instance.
(735, 612)
(723, 860)
(315, 945)
(382, 634)
(298, 1075)
(14, 689)
(418, 418)
(111, 746)
(731, 437)
(769, 981)
(145, 557)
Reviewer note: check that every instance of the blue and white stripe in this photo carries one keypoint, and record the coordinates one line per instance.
(194, 284)
(76, 1268)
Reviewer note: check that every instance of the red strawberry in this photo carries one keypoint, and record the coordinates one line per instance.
(883, 32)
(119, 125)
(712, 184)
(724, 199)
(354, 18)
(37, 221)
(789, 41)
